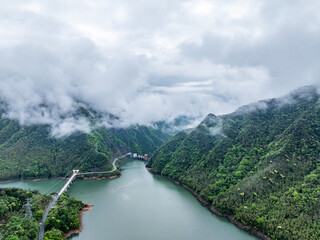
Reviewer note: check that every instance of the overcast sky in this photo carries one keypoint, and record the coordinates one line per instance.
(150, 60)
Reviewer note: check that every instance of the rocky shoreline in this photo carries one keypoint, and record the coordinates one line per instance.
(77, 231)
(216, 212)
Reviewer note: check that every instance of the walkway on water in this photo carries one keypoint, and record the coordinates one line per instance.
(66, 186)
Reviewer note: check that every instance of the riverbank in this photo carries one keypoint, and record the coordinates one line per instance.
(98, 178)
(230, 218)
(43, 179)
(77, 231)
(55, 178)
(30, 179)
(118, 159)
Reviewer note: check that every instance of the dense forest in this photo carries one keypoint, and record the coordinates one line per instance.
(31, 151)
(15, 224)
(260, 164)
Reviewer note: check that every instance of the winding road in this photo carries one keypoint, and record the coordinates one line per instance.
(113, 164)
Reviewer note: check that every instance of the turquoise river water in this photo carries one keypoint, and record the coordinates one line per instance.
(140, 206)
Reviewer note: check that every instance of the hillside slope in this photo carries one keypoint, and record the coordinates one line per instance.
(14, 225)
(31, 151)
(260, 164)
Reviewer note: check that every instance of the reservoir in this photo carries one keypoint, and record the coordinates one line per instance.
(140, 206)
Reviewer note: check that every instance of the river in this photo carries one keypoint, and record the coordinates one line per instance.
(140, 206)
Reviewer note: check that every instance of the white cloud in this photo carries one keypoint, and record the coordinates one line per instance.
(147, 61)
(201, 8)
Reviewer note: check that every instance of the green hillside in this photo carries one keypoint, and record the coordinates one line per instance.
(260, 164)
(31, 151)
(16, 225)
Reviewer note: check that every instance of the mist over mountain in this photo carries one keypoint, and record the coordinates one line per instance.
(202, 56)
(52, 144)
(176, 125)
(259, 164)
(32, 152)
(85, 81)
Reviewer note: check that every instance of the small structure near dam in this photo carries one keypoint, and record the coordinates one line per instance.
(140, 157)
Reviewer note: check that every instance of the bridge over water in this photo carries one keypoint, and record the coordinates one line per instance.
(65, 188)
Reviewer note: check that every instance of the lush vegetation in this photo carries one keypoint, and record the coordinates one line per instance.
(63, 218)
(14, 225)
(260, 164)
(31, 152)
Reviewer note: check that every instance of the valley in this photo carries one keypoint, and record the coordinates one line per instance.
(258, 167)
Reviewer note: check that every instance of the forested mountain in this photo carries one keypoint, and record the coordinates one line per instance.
(31, 151)
(260, 164)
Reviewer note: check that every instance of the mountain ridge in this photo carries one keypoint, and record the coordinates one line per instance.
(32, 152)
(261, 155)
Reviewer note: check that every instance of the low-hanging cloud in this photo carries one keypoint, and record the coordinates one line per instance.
(216, 129)
(150, 61)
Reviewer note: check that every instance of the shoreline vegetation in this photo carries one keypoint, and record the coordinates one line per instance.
(55, 178)
(98, 178)
(110, 175)
(89, 206)
(29, 179)
(258, 164)
(86, 208)
(18, 223)
(230, 218)
(55, 230)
